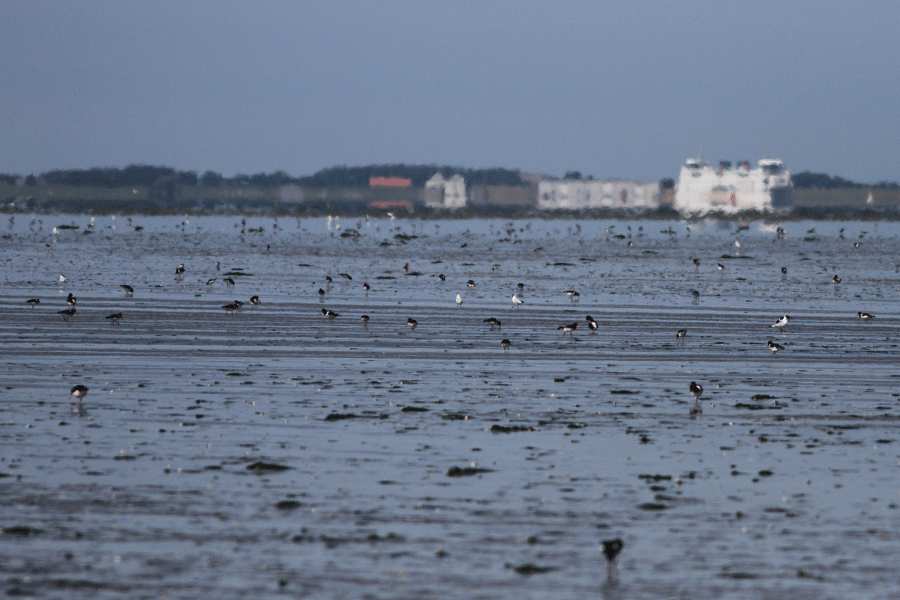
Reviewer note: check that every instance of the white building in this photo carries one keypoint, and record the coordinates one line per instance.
(702, 188)
(574, 194)
(445, 193)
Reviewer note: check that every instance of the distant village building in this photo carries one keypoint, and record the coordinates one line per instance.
(389, 182)
(445, 193)
(574, 194)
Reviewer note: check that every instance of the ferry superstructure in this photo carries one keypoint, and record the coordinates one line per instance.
(702, 188)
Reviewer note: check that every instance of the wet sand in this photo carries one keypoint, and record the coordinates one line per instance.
(428, 462)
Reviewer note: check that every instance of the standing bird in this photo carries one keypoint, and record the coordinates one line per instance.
(79, 391)
(232, 307)
(458, 300)
(71, 300)
(516, 301)
(210, 281)
(682, 333)
(505, 344)
(346, 276)
(492, 322)
(573, 295)
(442, 277)
(114, 318)
(365, 320)
(866, 317)
(228, 281)
(255, 301)
(180, 270)
(774, 347)
(33, 302)
(367, 287)
(62, 278)
(720, 266)
(412, 323)
(611, 549)
(328, 314)
(65, 314)
(568, 328)
(406, 268)
(780, 323)
(784, 270)
(592, 324)
(129, 291)
(696, 390)
(471, 283)
(836, 280)
(696, 262)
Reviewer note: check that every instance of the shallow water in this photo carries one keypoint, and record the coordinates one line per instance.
(784, 487)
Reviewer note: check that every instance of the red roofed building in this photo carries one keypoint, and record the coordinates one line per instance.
(389, 182)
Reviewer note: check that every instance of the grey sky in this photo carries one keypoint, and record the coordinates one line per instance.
(613, 89)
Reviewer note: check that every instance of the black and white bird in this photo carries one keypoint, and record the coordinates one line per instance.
(505, 344)
(328, 314)
(412, 323)
(367, 287)
(784, 270)
(346, 276)
(65, 314)
(470, 283)
(328, 279)
(71, 300)
(610, 550)
(774, 347)
(696, 262)
(592, 324)
(516, 301)
(33, 302)
(568, 328)
(681, 334)
(866, 317)
(255, 301)
(835, 280)
(129, 291)
(232, 307)
(114, 318)
(720, 266)
(442, 277)
(696, 390)
(228, 281)
(782, 322)
(573, 295)
(211, 281)
(79, 391)
(365, 320)
(406, 268)
(493, 322)
(179, 271)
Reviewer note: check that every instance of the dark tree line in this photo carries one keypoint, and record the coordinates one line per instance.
(338, 176)
(807, 179)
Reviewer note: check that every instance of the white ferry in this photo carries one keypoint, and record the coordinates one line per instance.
(702, 188)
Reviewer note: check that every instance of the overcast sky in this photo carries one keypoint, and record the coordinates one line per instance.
(612, 89)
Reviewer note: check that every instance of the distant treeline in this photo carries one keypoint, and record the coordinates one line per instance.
(339, 176)
(823, 181)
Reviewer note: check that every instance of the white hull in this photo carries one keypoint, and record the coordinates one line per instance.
(702, 188)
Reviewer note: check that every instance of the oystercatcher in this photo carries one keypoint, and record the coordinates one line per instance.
(114, 318)
(682, 333)
(367, 287)
(610, 550)
(210, 281)
(255, 301)
(33, 302)
(592, 324)
(573, 295)
(866, 317)
(696, 390)
(492, 322)
(442, 277)
(129, 291)
(568, 328)
(411, 322)
(505, 344)
(79, 391)
(406, 268)
(71, 300)
(471, 283)
(65, 314)
(228, 281)
(346, 276)
(328, 314)
(232, 307)
(365, 320)
(774, 347)
(835, 280)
